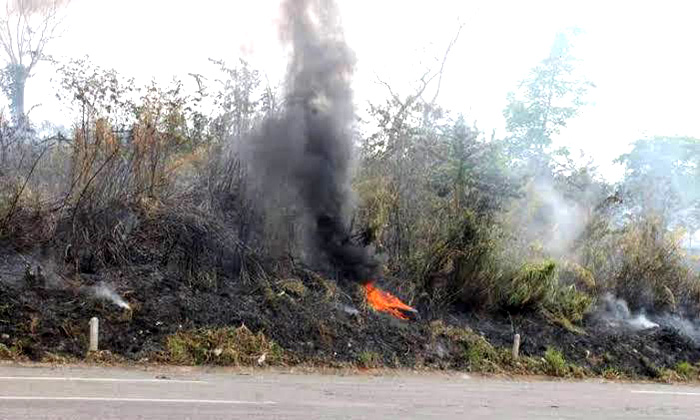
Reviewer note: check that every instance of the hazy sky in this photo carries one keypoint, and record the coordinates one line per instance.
(642, 55)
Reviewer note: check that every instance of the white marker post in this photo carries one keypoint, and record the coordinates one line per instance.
(94, 333)
(516, 346)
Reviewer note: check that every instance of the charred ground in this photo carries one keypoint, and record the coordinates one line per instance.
(187, 307)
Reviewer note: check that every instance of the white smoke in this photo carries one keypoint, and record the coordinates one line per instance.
(686, 327)
(641, 322)
(566, 217)
(617, 314)
(104, 291)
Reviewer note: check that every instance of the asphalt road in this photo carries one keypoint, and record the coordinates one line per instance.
(100, 393)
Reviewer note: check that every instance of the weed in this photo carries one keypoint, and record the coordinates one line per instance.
(55, 358)
(687, 370)
(368, 359)
(222, 346)
(611, 373)
(5, 353)
(556, 363)
(569, 303)
(14, 352)
(477, 353)
(530, 287)
(294, 287)
(669, 376)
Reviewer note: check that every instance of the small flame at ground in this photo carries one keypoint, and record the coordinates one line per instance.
(386, 302)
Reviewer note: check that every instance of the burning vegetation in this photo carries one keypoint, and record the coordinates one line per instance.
(254, 236)
(383, 301)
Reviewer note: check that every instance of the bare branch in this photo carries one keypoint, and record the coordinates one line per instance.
(386, 85)
(444, 60)
(18, 194)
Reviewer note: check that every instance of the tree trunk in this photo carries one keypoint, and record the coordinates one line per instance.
(17, 84)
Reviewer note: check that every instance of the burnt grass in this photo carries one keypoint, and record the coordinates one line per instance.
(319, 328)
(47, 299)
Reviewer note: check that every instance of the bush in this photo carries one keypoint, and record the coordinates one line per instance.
(653, 273)
(571, 273)
(369, 359)
(463, 267)
(530, 287)
(568, 303)
(222, 346)
(687, 371)
(556, 363)
(472, 350)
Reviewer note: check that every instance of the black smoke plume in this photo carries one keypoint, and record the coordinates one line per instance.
(303, 157)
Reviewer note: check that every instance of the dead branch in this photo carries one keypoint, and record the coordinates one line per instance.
(444, 60)
(18, 194)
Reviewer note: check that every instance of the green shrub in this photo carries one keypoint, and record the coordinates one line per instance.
(687, 371)
(556, 363)
(653, 272)
(569, 303)
(571, 273)
(463, 265)
(369, 359)
(530, 287)
(474, 351)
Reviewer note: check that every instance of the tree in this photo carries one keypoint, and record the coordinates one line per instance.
(549, 97)
(662, 176)
(25, 30)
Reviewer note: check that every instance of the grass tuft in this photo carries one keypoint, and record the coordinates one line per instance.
(556, 364)
(223, 346)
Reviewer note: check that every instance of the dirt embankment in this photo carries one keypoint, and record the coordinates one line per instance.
(310, 319)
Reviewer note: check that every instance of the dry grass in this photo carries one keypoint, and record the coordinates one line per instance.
(223, 346)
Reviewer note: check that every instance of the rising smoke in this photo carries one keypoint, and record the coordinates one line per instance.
(103, 291)
(301, 159)
(616, 313)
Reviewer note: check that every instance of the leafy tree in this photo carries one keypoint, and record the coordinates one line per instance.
(662, 176)
(241, 100)
(547, 99)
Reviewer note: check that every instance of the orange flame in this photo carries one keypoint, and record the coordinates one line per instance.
(386, 302)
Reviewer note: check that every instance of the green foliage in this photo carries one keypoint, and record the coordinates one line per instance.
(294, 287)
(530, 287)
(662, 176)
(571, 273)
(550, 96)
(687, 371)
(556, 363)
(369, 359)
(222, 346)
(652, 272)
(567, 302)
(463, 266)
(477, 354)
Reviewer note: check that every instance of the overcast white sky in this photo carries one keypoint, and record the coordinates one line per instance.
(642, 55)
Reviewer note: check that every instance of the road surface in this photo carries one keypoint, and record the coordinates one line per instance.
(79, 393)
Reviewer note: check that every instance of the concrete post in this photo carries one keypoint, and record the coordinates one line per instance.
(516, 346)
(94, 333)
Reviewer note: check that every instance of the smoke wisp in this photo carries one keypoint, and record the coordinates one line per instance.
(103, 291)
(616, 313)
